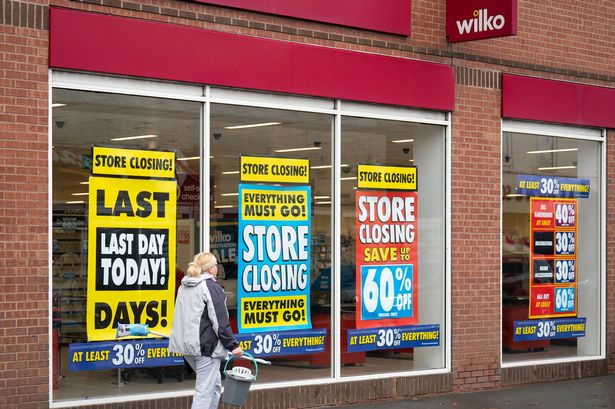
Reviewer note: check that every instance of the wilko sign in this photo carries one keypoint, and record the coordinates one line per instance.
(478, 19)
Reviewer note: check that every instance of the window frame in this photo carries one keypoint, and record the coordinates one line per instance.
(571, 132)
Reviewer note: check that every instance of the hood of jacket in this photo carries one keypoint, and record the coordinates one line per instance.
(200, 322)
(194, 281)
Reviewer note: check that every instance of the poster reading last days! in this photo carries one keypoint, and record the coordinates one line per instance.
(131, 252)
(553, 257)
(386, 246)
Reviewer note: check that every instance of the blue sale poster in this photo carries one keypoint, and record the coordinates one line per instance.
(274, 258)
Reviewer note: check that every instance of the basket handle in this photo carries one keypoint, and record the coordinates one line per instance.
(245, 355)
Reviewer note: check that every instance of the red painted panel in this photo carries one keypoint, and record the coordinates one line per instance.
(117, 45)
(557, 101)
(388, 16)
(478, 19)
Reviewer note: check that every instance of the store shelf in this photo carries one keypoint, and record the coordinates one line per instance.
(69, 282)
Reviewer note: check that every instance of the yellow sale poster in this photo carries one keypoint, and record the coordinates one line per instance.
(132, 242)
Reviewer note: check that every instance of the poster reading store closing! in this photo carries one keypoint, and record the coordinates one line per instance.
(386, 246)
(131, 253)
(274, 245)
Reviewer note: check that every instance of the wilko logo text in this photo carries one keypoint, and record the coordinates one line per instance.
(478, 19)
(482, 21)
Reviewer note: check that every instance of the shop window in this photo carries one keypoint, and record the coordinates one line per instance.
(123, 123)
(265, 163)
(392, 246)
(551, 246)
(269, 176)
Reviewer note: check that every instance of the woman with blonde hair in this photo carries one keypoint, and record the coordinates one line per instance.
(201, 330)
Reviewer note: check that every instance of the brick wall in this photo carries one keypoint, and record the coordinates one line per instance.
(563, 36)
(564, 40)
(23, 206)
(312, 396)
(555, 372)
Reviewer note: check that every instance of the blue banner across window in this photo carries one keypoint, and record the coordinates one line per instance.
(370, 339)
(551, 186)
(284, 342)
(534, 330)
(142, 353)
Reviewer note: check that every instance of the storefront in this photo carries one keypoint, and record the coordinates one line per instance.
(553, 280)
(392, 214)
(313, 206)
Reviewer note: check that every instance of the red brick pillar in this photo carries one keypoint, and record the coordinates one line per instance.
(476, 199)
(24, 275)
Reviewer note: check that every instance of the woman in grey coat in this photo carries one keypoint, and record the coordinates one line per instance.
(201, 330)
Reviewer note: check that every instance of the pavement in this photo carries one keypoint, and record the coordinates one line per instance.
(587, 393)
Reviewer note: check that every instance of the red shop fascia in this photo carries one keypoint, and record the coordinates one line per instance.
(91, 42)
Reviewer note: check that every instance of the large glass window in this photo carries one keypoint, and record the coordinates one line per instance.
(269, 219)
(273, 134)
(392, 283)
(81, 120)
(551, 246)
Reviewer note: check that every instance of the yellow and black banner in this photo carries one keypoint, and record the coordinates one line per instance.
(132, 242)
(262, 203)
(274, 170)
(387, 177)
(133, 163)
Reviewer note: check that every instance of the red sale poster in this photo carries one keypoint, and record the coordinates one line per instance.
(553, 257)
(386, 258)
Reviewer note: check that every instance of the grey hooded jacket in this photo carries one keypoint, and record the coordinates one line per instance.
(201, 324)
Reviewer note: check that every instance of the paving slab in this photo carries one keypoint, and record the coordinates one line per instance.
(595, 392)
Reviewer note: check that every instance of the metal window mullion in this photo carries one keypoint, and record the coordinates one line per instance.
(270, 105)
(50, 234)
(603, 247)
(501, 212)
(448, 243)
(205, 171)
(336, 230)
(125, 86)
(549, 129)
(399, 118)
